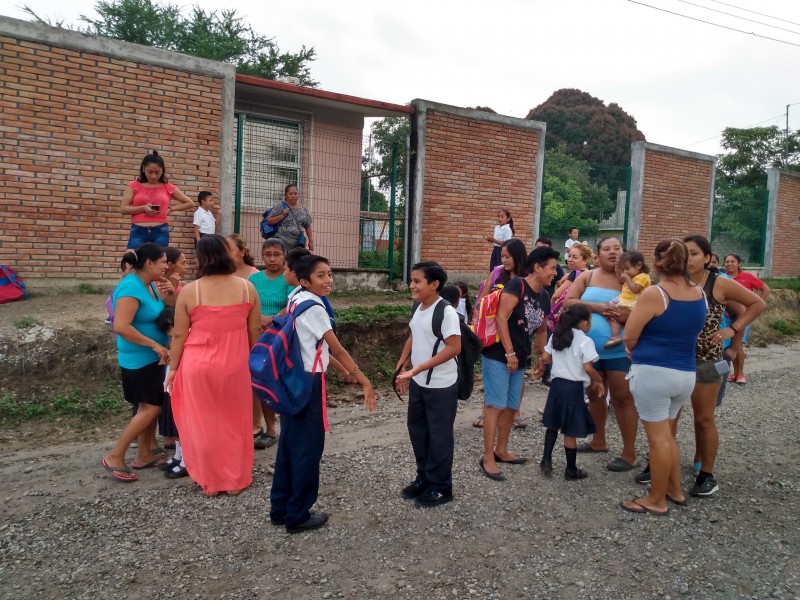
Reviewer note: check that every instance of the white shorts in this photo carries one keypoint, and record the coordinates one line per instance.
(659, 392)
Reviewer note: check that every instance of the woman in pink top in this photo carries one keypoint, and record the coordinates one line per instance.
(733, 268)
(147, 200)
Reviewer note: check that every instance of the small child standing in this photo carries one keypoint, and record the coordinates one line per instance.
(204, 221)
(295, 487)
(503, 231)
(432, 385)
(632, 273)
(464, 308)
(571, 353)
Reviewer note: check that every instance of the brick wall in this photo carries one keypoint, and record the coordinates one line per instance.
(75, 128)
(472, 168)
(670, 195)
(784, 245)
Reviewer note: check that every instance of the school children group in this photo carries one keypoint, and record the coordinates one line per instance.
(211, 412)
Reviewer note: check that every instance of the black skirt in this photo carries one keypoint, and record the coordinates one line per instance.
(495, 260)
(166, 422)
(566, 410)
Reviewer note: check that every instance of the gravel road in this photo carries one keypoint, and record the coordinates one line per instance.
(69, 531)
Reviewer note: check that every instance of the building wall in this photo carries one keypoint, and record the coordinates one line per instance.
(783, 224)
(468, 165)
(76, 123)
(671, 193)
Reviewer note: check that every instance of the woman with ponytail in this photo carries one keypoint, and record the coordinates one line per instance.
(149, 199)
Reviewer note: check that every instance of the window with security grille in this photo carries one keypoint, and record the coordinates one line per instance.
(271, 159)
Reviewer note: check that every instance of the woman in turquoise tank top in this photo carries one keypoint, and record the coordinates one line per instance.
(596, 289)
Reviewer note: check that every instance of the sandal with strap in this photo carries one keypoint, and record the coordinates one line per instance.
(520, 423)
(114, 470)
(478, 422)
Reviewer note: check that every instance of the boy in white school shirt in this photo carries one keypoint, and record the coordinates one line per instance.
(204, 221)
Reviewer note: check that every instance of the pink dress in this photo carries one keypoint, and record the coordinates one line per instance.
(211, 397)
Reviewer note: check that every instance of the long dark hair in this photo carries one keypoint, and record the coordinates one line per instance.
(570, 318)
(137, 258)
(516, 249)
(507, 213)
(153, 159)
(705, 247)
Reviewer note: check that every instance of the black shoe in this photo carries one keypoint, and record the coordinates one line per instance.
(575, 474)
(170, 464)
(277, 521)
(431, 498)
(264, 440)
(315, 521)
(415, 489)
(546, 466)
(644, 476)
(173, 474)
(707, 488)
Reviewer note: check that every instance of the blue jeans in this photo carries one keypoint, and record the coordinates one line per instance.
(158, 234)
(501, 386)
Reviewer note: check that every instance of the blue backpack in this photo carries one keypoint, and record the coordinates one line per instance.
(278, 378)
(267, 230)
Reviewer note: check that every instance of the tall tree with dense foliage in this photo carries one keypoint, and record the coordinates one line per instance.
(216, 35)
(385, 134)
(588, 128)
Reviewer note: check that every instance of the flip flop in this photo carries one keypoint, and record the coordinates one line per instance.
(520, 423)
(676, 502)
(586, 447)
(499, 476)
(643, 509)
(478, 422)
(159, 460)
(618, 465)
(516, 461)
(113, 470)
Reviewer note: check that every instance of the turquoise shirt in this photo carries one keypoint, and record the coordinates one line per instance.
(272, 292)
(134, 356)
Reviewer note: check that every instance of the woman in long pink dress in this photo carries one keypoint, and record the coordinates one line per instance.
(217, 321)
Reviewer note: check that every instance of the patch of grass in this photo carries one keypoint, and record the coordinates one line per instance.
(74, 403)
(784, 284)
(26, 322)
(88, 288)
(786, 326)
(372, 314)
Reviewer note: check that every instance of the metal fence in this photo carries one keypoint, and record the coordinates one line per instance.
(592, 197)
(739, 222)
(357, 212)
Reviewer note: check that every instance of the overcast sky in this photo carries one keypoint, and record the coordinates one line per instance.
(682, 80)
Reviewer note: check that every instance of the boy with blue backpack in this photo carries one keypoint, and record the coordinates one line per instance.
(432, 383)
(295, 486)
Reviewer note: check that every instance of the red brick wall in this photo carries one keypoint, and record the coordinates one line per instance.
(472, 169)
(676, 193)
(786, 246)
(75, 128)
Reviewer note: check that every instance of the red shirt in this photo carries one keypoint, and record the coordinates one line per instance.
(142, 195)
(749, 281)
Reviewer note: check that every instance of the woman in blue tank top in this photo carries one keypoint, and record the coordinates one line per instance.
(596, 289)
(661, 335)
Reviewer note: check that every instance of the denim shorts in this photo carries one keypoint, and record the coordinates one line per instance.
(612, 364)
(502, 387)
(158, 234)
(659, 392)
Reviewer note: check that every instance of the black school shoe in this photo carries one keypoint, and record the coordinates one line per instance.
(432, 498)
(415, 489)
(315, 521)
(575, 474)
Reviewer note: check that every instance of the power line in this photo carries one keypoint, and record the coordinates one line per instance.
(716, 24)
(755, 13)
(780, 116)
(722, 12)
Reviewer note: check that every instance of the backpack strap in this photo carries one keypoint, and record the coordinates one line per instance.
(436, 326)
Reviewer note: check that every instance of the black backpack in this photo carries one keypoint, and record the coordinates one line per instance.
(466, 359)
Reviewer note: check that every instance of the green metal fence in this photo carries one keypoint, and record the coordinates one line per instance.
(592, 197)
(739, 222)
(357, 211)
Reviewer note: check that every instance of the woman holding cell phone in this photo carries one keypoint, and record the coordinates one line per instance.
(148, 200)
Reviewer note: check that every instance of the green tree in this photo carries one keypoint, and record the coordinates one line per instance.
(564, 207)
(217, 35)
(372, 199)
(753, 150)
(590, 130)
(385, 135)
(599, 199)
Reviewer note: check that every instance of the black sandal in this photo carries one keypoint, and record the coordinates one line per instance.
(170, 464)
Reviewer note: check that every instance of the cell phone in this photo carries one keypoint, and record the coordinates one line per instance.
(723, 367)
(154, 207)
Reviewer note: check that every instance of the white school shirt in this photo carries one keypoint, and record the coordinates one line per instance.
(461, 309)
(568, 364)
(570, 243)
(423, 340)
(311, 326)
(204, 220)
(502, 233)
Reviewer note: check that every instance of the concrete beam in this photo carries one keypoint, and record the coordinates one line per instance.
(773, 182)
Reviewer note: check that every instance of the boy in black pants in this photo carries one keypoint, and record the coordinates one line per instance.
(433, 387)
